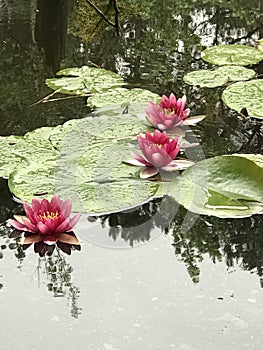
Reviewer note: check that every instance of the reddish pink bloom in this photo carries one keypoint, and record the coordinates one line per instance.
(46, 218)
(168, 114)
(158, 154)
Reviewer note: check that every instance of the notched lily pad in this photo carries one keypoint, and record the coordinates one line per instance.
(240, 55)
(248, 94)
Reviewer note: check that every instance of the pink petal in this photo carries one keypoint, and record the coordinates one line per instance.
(30, 213)
(66, 208)
(73, 221)
(133, 162)
(43, 229)
(170, 168)
(36, 205)
(28, 226)
(148, 172)
(158, 159)
(45, 205)
(141, 160)
(63, 227)
(16, 224)
(55, 203)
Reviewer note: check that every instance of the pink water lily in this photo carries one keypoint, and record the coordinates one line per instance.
(48, 219)
(158, 154)
(169, 114)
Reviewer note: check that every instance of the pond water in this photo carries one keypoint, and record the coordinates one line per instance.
(146, 278)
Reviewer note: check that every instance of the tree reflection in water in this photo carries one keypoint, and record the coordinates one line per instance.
(235, 241)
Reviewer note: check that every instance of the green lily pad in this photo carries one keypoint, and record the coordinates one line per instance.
(84, 80)
(89, 167)
(248, 94)
(97, 180)
(105, 127)
(256, 158)
(240, 55)
(219, 76)
(11, 156)
(205, 78)
(122, 97)
(223, 186)
(20, 151)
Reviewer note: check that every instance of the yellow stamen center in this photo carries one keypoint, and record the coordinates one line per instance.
(169, 111)
(49, 215)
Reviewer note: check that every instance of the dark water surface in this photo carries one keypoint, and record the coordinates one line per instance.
(140, 281)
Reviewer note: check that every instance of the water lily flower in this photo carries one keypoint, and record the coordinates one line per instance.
(158, 154)
(169, 114)
(48, 219)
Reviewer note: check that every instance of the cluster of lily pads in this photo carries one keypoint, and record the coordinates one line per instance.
(243, 90)
(86, 159)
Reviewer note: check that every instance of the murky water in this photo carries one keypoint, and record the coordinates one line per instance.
(139, 281)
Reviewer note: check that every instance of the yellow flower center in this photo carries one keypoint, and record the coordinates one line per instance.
(169, 111)
(49, 215)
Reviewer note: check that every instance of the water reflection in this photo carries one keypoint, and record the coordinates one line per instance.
(53, 271)
(56, 272)
(235, 241)
(51, 30)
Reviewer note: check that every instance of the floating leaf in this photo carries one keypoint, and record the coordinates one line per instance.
(240, 55)
(19, 151)
(98, 183)
(256, 158)
(90, 168)
(106, 127)
(11, 155)
(80, 81)
(205, 78)
(223, 186)
(219, 76)
(247, 95)
(236, 73)
(122, 97)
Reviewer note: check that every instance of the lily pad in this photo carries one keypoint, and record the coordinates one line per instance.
(219, 76)
(247, 95)
(84, 80)
(98, 182)
(122, 97)
(20, 151)
(223, 186)
(240, 55)
(205, 78)
(89, 167)
(11, 156)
